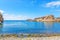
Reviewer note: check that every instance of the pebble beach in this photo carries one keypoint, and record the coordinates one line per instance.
(31, 38)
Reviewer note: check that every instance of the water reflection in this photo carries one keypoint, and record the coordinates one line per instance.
(1, 26)
(48, 24)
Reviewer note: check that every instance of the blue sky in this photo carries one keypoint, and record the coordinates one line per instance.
(25, 9)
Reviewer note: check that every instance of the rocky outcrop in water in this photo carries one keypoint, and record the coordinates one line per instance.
(57, 19)
(29, 20)
(45, 18)
(49, 18)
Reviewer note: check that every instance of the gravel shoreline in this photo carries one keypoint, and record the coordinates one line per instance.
(31, 38)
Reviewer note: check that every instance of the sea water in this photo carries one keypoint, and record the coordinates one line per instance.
(23, 26)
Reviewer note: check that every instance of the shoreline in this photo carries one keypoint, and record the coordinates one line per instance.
(29, 35)
(30, 38)
(15, 37)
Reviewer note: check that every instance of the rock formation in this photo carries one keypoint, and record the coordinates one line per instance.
(45, 18)
(49, 18)
(1, 18)
(58, 19)
(29, 20)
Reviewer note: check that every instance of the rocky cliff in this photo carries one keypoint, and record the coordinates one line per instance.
(1, 18)
(45, 18)
(49, 18)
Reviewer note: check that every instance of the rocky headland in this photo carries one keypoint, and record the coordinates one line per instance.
(49, 18)
(1, 18)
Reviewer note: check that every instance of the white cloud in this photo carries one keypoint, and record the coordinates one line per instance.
(14, 17)
(53, 4)
(8, 16)
(1, 11)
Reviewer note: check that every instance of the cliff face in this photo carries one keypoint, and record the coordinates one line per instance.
(49, 18)
(1, 18)
(45, 18)
(58, 19)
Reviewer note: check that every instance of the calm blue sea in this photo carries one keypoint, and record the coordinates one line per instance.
(22, 26)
